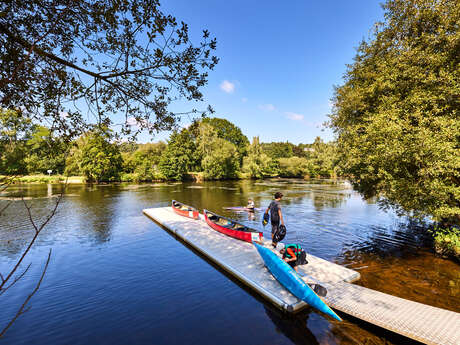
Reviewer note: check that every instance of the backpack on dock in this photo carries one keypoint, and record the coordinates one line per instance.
(302, 258)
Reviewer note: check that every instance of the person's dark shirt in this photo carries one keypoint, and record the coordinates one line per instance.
(274, 207)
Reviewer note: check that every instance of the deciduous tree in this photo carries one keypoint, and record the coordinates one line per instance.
(99, 160)
(257, 164)
(117, 57)
(178, 158)
(397, 116)
(15, 129)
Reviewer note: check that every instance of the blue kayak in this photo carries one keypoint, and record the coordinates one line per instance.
(289, 278)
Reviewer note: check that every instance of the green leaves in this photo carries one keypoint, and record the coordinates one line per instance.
(95, 157)
(178, 158)
(121, 58)
(397, 115)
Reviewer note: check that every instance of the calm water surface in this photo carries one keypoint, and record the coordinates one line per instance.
(116, 277)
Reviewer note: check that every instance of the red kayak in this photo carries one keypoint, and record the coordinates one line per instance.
(231, 228)
(185, 210)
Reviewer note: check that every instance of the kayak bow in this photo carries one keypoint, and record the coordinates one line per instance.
(289, 278)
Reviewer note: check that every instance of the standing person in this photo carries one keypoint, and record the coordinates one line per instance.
(276, 217)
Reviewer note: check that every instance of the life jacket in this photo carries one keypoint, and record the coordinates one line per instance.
(297, 249)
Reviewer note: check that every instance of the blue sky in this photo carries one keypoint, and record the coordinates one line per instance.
(279, 60)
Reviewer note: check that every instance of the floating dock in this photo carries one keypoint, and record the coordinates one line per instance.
(414, 320)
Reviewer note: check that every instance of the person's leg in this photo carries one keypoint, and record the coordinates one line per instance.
(275, 227)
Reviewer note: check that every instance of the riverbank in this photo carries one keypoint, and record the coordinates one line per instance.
(44, 179)
(447, 242)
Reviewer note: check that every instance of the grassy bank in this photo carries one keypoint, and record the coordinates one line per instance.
(45, 179)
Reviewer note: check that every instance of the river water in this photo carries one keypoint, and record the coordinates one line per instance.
(116, 277)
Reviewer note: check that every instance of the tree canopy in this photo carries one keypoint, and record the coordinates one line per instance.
(397, 116)
(228, 131)
(257, 164)
(117, 57)
(177, 159)
(95, 157)
(278, 150)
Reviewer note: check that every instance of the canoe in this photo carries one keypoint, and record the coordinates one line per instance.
(289, 278)
(185, 210)
(231, 228)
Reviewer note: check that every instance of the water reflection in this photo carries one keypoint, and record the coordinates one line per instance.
(103, 230)
(293, 327)
(399, 261)
(94, 212)
(402, 239)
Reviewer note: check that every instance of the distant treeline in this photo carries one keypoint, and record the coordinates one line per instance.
(211, 148)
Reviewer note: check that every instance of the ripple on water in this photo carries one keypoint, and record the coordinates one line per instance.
(116, 277)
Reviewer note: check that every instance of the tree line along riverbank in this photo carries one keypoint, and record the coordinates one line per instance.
(210, 149)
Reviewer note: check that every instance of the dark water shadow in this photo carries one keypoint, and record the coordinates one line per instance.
(403, 240)
(292, 326)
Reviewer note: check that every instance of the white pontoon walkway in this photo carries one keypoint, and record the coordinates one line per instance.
(418, 321)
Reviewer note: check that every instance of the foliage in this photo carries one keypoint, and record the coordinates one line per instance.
(14, 131)
(51, 179)
(257, 164)
(222, 162)
(228, 131)
(397, 115)
(278, 150)
(447, 241)
(219, 157)
(178, 158)
(143, 163)
(323, 157)
(198, 152)
(295, 167)
(95, 157)
(44, 152)
(117, 56)
(128, 147)
(300, 150)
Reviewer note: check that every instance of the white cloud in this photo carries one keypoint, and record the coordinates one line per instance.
(63, 114)
(131, 121)
(267, 107)
(294, 116)
(142, 123)
(227, 86)
(244, 99)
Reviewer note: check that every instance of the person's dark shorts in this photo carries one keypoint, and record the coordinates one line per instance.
(292, 263)
(275, 227)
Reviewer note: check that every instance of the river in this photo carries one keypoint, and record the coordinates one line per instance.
(116, 277)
